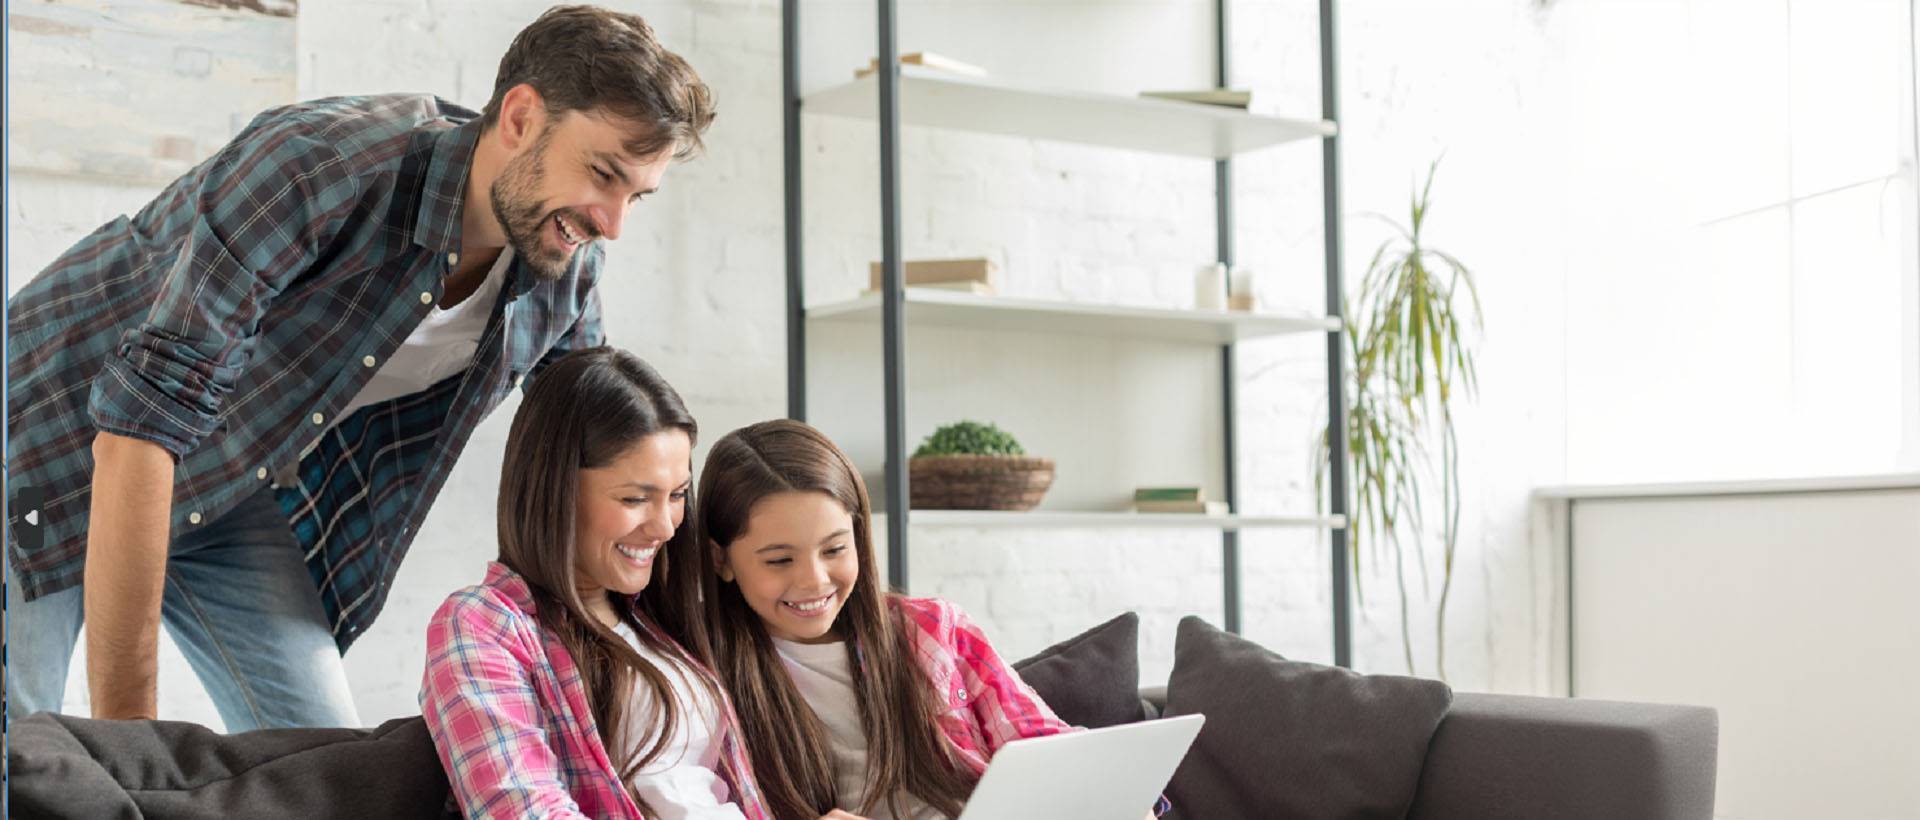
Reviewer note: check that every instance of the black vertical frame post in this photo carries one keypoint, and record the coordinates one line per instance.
(893, 301)
(1342, 574)
(795, 223)
(1229, 369)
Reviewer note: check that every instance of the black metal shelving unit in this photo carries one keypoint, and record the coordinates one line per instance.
(893, 299)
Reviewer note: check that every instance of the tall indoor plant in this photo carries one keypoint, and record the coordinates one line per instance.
(1409, 330)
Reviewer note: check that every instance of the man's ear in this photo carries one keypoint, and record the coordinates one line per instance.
(522, 115)
(720, 565)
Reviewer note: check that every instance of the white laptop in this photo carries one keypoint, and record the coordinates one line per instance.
(1116, 773)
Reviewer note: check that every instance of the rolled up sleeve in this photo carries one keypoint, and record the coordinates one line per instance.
(269, 203)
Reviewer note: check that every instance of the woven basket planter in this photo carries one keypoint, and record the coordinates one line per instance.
(979, 482)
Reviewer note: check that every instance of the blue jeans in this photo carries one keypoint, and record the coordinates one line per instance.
(241, 607)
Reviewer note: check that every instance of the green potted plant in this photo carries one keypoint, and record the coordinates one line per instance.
(1410, 332)
(968, 465)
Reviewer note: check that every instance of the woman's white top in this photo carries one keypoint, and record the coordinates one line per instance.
(684, 782)
(822, 674)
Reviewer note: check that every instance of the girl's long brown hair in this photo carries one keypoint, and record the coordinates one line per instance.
(907, 753)
(583, 412)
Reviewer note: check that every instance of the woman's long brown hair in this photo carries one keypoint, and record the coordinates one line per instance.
(583, 412)
(907, 753)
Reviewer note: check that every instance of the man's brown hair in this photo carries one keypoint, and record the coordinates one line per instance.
(586, 58)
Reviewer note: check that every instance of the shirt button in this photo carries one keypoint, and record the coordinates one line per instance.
(193, 518)
(453, 259)
(426, 297)
(960, 693)
(260, 473)
(319, 418)
(369, 361)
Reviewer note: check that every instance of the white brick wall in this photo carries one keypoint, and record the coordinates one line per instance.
(695, 284)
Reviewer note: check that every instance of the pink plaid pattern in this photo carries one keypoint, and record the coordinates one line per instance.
(510, 719)
(988, 705)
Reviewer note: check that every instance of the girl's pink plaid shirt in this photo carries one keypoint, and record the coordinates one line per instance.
(988, 705)
(508, 715)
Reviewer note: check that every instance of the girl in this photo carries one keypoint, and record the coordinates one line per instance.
(555, 688)
(875, 703)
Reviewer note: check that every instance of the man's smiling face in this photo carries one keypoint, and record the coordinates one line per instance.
(572, 185)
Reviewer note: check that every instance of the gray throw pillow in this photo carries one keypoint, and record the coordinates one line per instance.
(1286, 739)
(70, 767)
(1091, 679)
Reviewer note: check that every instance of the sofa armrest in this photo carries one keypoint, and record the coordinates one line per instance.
(1501, 756)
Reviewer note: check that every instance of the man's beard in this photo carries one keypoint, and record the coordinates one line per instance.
(523, 218)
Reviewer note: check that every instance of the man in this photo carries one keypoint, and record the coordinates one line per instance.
(234, 408)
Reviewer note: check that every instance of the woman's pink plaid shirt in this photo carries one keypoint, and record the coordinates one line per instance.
(509, 717)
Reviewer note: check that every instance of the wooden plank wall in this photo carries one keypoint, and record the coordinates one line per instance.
(138, 91)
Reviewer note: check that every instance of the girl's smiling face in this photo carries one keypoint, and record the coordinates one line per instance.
(795, 563)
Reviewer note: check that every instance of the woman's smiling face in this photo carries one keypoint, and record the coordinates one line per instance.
(627, 511)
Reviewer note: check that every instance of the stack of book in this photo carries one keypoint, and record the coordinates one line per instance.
(1223, 97)
(975, 276)
(1176, 500)
(926, 59)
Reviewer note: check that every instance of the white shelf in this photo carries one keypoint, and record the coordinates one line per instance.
(1048, 519)
(941, 100)
(943, 308)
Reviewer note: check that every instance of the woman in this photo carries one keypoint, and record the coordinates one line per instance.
(558, 686)
(852, 698)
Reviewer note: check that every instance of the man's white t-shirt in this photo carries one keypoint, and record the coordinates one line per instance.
(684, 782)
(824, 678)
(441, 346)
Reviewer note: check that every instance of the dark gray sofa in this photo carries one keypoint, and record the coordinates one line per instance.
(1511, 756)
(1283, 740)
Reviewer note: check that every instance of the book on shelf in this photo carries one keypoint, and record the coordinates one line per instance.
(928, 272)
(1223, 97)
(926, 59)
(1195, 507)
(1169, 494)
(975, 288)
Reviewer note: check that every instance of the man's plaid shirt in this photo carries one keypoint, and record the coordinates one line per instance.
(234, 316)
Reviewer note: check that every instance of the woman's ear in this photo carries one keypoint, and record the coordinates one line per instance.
(720, 566)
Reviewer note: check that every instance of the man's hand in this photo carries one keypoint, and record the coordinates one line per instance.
(126, 573)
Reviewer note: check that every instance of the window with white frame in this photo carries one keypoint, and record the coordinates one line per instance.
(1744, 301)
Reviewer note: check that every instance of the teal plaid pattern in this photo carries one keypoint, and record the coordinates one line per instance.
(232, 317)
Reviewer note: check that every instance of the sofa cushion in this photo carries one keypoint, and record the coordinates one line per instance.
(1091, 679)
(1287, 739)
(70, 767)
